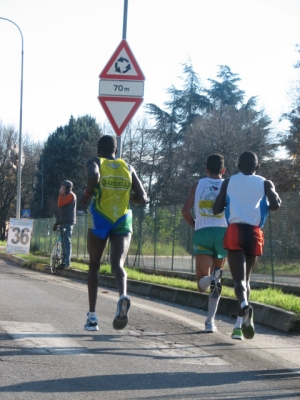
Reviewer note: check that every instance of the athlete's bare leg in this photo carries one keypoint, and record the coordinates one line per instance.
(205, 265)
(118, 253)
(95, 247)
(250, 264)
(237, 265)
(241, 266)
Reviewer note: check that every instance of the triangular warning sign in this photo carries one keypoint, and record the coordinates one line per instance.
(122, 65)
(120, 110)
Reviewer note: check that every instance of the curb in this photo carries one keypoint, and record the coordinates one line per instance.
(227, 280)
(272, 317)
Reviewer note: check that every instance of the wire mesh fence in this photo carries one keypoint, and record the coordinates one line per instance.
(162, 240)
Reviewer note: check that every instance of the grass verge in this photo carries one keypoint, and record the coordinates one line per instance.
(269, 296)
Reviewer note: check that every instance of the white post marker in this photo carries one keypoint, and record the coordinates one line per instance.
(19, 236)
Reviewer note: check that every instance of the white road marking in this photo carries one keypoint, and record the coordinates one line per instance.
(43, 338)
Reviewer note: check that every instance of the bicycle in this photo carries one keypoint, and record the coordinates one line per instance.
(56, 254)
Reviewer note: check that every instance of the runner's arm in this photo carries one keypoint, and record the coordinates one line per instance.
(93, 178)
(189, 204)
(220, 202)
(138, 194)
(272, 196)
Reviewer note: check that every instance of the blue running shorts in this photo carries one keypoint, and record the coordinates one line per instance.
(103, 228)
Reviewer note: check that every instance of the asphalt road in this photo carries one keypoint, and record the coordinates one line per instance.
(163, 353)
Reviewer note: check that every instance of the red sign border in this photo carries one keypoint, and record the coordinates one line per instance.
(118, 130)
(123, 45)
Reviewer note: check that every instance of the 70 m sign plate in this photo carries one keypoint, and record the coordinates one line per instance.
(121, 88)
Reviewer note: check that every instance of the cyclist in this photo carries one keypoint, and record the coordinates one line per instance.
(66, 218)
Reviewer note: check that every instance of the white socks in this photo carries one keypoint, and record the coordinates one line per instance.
(212, 308)
(239, 322)
(243, 304)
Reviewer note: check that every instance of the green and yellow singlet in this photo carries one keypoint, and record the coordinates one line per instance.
(112, 193)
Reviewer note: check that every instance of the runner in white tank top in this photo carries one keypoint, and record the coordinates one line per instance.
(247, 199)
(247, 206)
(208, 235)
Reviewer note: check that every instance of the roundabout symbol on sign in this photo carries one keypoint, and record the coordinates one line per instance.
(122, 65)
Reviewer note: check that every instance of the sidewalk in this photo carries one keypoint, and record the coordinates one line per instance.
(272, 317)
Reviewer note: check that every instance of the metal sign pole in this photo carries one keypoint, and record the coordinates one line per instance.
(119, 140)
(121, 86)
(18, 208)
(125, 19)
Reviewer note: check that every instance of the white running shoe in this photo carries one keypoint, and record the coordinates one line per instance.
(121, 318)
(91, 323)
(210, 327)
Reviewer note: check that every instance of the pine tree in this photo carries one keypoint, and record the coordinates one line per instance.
(63, 157)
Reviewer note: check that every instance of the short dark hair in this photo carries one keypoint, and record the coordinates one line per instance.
(107, 144)
(215, 163)
(248, 162)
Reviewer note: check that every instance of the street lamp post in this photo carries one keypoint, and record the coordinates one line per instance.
(20, 127)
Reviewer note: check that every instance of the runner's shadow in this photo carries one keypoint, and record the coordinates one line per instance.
(168, 381)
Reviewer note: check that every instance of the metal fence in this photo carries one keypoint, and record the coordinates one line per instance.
(162, 240)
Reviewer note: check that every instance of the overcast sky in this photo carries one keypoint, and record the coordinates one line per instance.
(67, 43)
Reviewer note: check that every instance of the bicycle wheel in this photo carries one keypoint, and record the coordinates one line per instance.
(55, 258)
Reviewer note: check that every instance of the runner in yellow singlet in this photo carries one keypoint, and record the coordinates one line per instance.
(112, 184)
